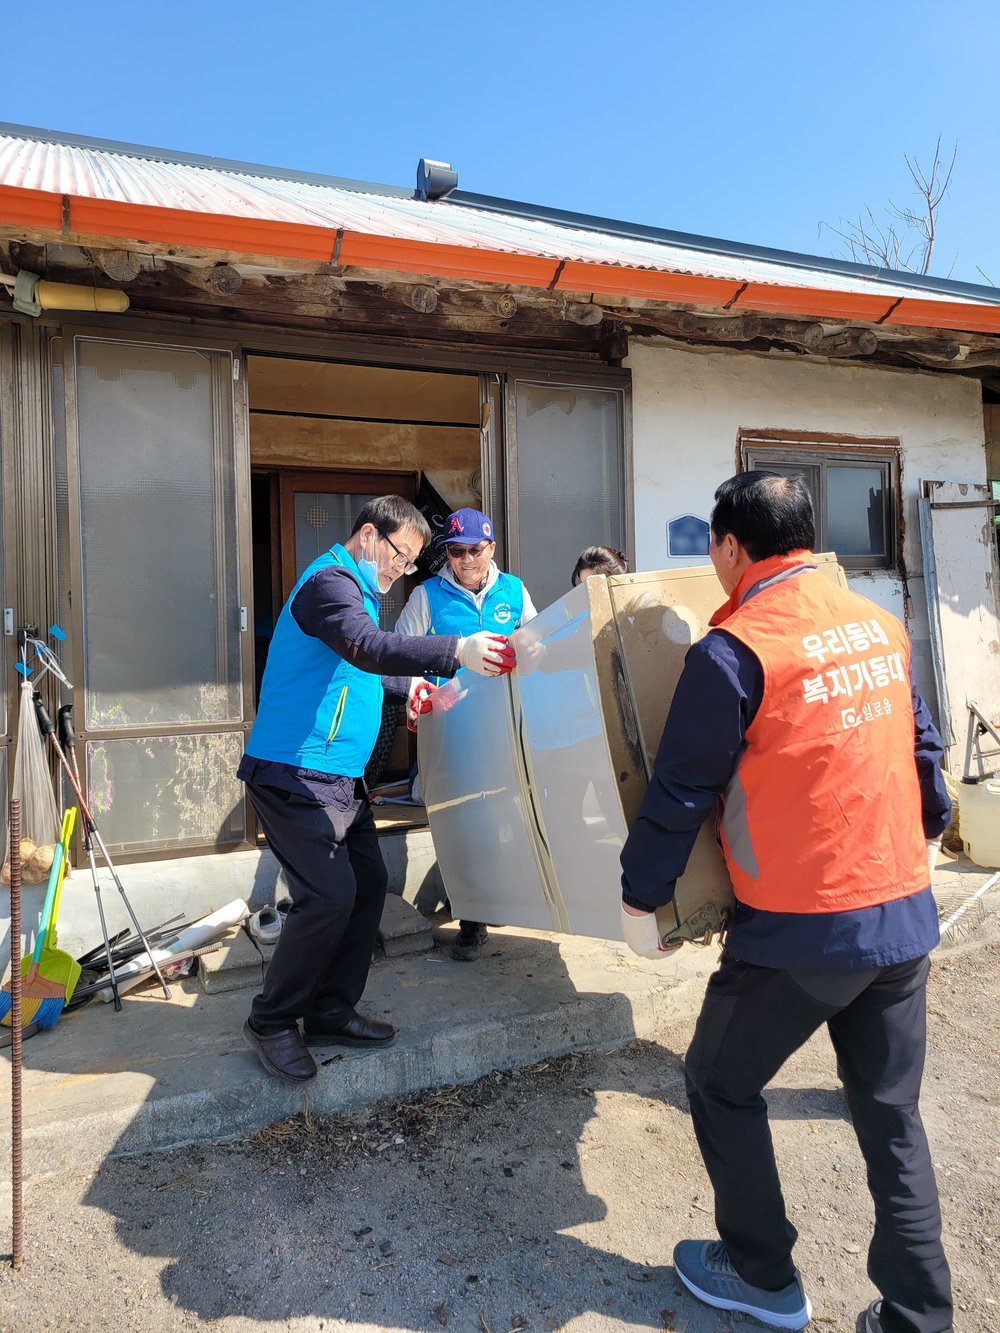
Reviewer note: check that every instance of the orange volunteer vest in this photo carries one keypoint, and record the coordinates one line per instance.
(823, 811)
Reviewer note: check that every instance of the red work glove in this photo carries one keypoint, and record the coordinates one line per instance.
(420, 701)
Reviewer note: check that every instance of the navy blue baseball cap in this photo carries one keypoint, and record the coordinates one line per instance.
(469, 526)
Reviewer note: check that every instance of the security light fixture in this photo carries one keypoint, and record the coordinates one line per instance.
(435, 180)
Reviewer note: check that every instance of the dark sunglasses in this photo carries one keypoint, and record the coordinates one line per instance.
(455, 550)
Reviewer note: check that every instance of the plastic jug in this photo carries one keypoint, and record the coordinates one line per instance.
(979, 820)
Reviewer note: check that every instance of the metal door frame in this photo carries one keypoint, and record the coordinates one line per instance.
(506, 465)
(237, 400)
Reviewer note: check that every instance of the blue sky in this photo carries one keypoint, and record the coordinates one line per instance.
(749, 121)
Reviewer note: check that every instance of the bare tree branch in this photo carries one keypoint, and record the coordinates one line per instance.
(905, 239)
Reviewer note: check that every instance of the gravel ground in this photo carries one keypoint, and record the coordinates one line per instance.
(548, 1198)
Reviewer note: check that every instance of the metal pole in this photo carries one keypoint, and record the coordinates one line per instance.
(67, 737)
(48, 729)
(16, 1158)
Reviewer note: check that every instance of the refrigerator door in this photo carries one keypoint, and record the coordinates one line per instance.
(567, 764)
(485, 834)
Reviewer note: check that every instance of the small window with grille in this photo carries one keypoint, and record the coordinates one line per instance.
(853, 484)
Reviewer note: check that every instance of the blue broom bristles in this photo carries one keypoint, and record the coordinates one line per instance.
(47, 1014)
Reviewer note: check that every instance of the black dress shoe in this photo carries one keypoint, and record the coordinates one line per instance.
(282, 1053)
(873, 1321)
(357, 1031)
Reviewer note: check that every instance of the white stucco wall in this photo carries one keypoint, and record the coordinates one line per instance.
(689, 407)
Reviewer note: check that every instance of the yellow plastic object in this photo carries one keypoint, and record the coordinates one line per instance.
(68, 824)
(74, 296)
(49, 975)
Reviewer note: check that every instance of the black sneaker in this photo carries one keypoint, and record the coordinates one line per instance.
(472, 935)
(873, 1321)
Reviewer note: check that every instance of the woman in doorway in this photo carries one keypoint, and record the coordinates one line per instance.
(468, 595)
(598, 560)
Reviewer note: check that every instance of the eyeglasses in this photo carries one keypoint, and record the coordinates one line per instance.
(400, 560)
(456, 551)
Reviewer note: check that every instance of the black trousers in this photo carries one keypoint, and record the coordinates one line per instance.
(337, 881)
(752, 1020)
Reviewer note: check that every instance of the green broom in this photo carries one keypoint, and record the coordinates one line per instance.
(50, 974)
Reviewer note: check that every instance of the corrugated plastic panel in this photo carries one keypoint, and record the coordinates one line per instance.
(135, 196)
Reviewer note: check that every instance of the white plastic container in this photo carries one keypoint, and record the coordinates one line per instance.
(979, 820)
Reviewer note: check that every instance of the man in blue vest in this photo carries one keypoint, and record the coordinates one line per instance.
(319, 714)
(469, 595)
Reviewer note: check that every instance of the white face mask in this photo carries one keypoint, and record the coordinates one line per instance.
(368, 567)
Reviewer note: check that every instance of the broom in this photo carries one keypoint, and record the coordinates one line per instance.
(50, 974)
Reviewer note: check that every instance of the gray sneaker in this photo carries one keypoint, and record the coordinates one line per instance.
(704, 1268)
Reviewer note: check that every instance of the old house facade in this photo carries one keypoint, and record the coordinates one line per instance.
(292, 344)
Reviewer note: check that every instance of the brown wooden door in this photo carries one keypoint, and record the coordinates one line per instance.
(318, 509)
(315, 511)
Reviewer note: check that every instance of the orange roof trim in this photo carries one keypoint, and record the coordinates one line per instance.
(946, 315)
(811, 301)
(180, 226)
(30, 208)
(446, 261)
(652, 283)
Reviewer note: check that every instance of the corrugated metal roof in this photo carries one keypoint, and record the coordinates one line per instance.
(385, 227)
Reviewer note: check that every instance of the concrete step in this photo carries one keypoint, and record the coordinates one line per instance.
(184, 888)
(238, 965)
(402, 929)
(162, 1073)
(241, 961)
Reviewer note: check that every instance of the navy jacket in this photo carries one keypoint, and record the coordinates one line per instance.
(330, 607)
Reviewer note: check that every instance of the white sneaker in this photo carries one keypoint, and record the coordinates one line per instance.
(265, 925)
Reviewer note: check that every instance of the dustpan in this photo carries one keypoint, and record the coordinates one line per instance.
(55, 964)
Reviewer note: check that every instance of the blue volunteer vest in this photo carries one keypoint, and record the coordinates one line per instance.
(453, 611)
(317, 710)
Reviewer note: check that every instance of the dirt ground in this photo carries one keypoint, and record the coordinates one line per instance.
(548, 1198)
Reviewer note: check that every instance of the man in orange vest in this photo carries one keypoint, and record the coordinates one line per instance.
(798, 710)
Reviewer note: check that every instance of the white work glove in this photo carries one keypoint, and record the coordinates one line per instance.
(933, 851)
(419, 701)
(642, 935)
(486, 653)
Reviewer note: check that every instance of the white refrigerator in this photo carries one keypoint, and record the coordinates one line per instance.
(531, 781)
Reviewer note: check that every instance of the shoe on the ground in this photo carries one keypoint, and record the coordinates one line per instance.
(283, 906)
(265, 925)
(469, 941)
(873, 1322)
(704, 1268)
(357, 1031)
(283, 1053)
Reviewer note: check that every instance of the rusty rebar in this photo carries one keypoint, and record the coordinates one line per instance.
(16, 1159)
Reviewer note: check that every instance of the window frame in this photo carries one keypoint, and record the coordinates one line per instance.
(758, 448)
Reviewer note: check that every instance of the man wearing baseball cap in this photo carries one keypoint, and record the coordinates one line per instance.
(468, 596)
